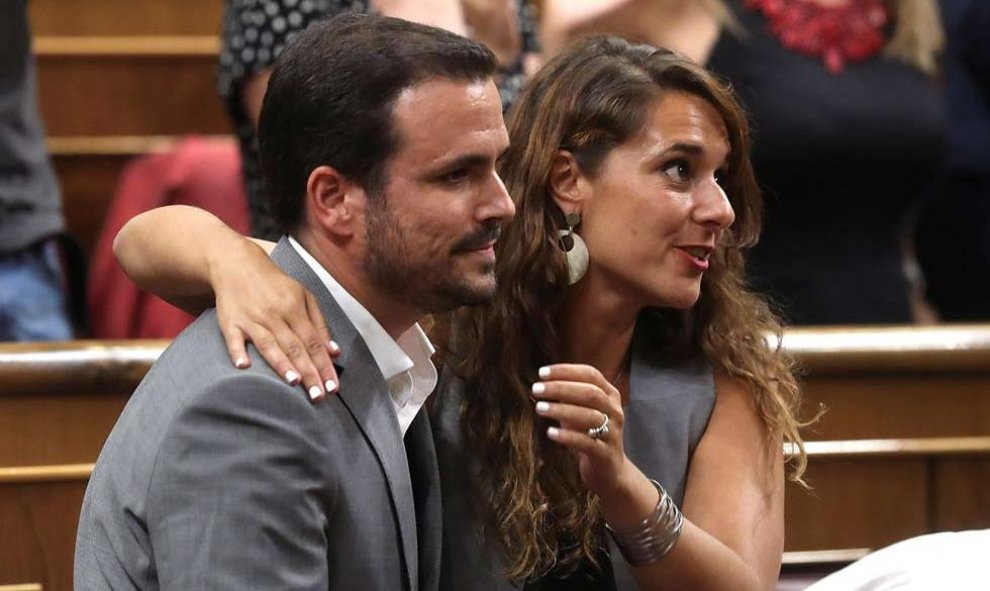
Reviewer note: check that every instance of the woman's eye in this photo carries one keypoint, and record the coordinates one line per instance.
(677, 170)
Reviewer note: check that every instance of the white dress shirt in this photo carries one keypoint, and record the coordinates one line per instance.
(404, 362)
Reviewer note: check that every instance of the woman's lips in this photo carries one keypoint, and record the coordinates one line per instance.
(696, 256)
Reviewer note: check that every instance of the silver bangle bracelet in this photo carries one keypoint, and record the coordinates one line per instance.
(653, 538)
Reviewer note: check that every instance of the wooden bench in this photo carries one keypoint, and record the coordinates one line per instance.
(117, 80)
(904, 446)
(108, 99)
(127, 86)
(58, 402)
(871, 493)
(908, 382)
(115, 18)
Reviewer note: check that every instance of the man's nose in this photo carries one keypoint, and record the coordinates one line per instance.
(498, 203)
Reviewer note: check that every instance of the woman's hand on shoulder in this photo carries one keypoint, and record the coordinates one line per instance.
(258, 303)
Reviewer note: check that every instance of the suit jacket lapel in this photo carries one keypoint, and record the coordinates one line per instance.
(426, 486)
(365, 394)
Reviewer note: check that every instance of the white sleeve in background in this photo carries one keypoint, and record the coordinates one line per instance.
(956, 561)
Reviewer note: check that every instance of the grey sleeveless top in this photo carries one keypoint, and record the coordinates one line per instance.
(667, 415)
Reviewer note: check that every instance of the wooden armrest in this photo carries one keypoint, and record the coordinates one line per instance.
(76, 366)
(160, 45)
(901, 349)
(816, 558)
(57, 473)
(904, 447)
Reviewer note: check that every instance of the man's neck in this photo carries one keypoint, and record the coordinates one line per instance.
(395, 316)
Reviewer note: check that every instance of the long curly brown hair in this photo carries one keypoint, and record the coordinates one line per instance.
(589, 100)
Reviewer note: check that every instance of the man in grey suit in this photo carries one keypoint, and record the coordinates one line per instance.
(379, 140)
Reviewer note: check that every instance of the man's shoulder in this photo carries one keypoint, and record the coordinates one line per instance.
(200, 353)
(195, 372)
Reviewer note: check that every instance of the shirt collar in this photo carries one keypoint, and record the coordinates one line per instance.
(410, 353)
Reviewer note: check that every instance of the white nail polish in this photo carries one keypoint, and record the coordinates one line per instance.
(331, 385)
(240, 363)
(553, 431)
(314, 392)
(544, 372)
(291, 376)
(539, 388)
(542, 406)
(334, 346)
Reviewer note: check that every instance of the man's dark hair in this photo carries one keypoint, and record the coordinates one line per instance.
(331, 94)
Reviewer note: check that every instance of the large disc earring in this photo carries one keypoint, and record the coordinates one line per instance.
(575, 250)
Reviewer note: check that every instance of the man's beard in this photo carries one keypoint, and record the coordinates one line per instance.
(429, 284)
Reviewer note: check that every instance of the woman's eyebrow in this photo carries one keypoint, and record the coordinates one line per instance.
(683, 148)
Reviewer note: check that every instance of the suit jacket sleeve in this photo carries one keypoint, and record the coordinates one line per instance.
(241, 491)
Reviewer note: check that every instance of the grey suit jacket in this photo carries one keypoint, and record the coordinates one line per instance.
(219, 478)
(666, 416)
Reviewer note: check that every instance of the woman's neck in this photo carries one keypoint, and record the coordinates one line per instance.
(596, 327)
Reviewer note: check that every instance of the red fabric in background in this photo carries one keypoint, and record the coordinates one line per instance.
(202, 172)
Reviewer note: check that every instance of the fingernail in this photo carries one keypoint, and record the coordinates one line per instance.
(539, 388)
(334, 347)
(542, 406)
(315, 392)
(553, 432)
(292, 377)
(544, 372)
(240, 363)
(331, 385)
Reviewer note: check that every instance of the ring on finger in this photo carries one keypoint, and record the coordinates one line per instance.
(601, 431)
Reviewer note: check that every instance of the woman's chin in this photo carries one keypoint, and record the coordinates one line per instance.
(678, 300)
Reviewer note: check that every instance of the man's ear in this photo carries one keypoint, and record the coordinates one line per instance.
(568, 185)
(333, 201)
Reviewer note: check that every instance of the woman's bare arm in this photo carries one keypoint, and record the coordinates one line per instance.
(186, 255)
(169, 251)
(733, 536)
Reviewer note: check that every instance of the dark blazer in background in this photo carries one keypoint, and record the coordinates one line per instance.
(953, 234)
(219, 478)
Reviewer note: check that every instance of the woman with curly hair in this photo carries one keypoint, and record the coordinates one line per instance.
(643, 157)
(614, 418)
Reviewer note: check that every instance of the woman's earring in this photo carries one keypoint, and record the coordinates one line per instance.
(575, 250)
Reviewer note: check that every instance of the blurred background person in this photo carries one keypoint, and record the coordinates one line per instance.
(849, 130)
(954, 227)
(32, 297)
(254, 34)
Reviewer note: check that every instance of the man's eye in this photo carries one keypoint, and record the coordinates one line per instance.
(677, 170)
(455, 176)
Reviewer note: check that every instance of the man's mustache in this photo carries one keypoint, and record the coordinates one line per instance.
(479, 238)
